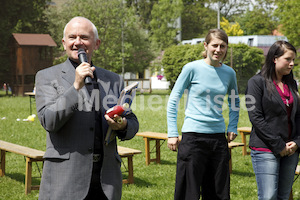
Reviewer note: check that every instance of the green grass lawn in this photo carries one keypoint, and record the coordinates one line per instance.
(155, 181)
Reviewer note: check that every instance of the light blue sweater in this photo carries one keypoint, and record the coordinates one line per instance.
(207, 87)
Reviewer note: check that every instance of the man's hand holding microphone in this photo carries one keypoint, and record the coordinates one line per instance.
(84, 72)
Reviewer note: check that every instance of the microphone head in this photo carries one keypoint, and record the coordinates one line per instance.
(82, 55)
(80, 51)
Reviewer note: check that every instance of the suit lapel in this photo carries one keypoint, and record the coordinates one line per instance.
(295, 103)
(68, 74)
(278, 98)
(103, 83)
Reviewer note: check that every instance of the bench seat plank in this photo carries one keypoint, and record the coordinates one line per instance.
(160, 136)
(125, 151)
(235, 144)
(297, 170)
(18, 149)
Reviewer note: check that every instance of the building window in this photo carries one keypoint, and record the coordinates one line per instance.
(250, 42)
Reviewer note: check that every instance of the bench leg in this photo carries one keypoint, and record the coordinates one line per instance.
(130, 178)
(157, 143)
(2, 169)
(147, 150)
(244, 140)
(130, 170)
(28, 175)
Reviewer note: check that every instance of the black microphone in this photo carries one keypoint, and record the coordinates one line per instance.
(83, 58)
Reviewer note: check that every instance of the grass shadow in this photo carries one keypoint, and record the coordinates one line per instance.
(4, 95)
(16, 176)
(167, 162)
(21, 178)
(241, 173)
(140, 183)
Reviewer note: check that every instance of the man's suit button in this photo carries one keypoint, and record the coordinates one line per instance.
(92, 129)
(90, 150)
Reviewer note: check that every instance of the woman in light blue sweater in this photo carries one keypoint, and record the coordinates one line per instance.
(203, 155)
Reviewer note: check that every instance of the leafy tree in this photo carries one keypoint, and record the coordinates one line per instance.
(143, 9)
(16, 16)
(267, 5)
(231, 29)
(289, 16)
(199, 16)
(257, 22)
(230, 8)
(164, 25)
(118, 28)
(197, 20)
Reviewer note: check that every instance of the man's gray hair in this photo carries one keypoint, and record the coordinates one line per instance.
(79, 17)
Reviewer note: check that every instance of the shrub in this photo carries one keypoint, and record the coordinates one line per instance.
(246, 61)
(175, 57)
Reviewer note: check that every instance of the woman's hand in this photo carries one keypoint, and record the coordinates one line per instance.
(231, 136)
(292, 148)
(173, 143)
(285, 151)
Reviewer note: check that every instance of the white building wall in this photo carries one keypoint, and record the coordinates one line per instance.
(162, 84)
(251, 40)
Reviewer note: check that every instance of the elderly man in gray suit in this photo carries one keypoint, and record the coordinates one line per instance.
(78, 165)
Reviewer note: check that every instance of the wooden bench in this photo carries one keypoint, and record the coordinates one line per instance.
(157, 137)
(148, 136)
(244, 131)
(31, 155)
(128, 153)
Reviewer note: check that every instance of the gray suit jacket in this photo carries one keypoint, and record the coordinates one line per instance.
(66, 115)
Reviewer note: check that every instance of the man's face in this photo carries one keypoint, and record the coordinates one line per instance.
(79, 34)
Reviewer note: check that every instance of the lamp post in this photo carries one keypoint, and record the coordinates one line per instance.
(122, 38)
(218, 15)
(123, 70)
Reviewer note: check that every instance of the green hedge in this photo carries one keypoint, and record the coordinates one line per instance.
(245, 60)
